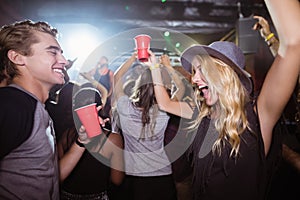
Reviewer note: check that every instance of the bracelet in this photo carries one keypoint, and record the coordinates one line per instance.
(269, 37)
(155, 66)
(79, 143)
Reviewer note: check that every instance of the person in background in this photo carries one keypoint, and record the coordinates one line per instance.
(105, 77)
(60, 111)
(86, 170)
(148, 170)
(55, 90)
(98, 86)
(33, 61)
(234, 133)
(176, 136)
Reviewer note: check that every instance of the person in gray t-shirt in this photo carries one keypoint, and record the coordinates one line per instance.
(143, 124)
(32, 59)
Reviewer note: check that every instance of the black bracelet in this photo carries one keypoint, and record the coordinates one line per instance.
(79, 143)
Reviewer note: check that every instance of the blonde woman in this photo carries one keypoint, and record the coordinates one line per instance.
(234, 133)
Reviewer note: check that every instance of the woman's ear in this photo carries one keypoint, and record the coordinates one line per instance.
(16, 57)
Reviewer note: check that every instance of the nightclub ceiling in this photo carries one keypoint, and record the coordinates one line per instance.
(202, 21)
(208, 17)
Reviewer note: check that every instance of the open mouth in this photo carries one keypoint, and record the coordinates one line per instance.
(59, 71)
(201, 88)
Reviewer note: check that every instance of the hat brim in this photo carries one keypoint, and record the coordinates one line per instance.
(188, 55)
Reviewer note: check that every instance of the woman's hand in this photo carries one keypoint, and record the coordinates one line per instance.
(165, 60)
(152, 60)
(262, 25)
(102, 121)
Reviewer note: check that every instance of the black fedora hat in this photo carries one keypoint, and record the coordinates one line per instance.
(227, 52)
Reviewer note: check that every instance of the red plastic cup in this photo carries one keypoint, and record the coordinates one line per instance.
(142, 43)
(88, 116)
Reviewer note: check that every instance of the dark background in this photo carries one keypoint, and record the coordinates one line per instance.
(204, 21)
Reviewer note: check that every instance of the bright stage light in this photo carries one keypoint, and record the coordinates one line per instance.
(79, 40)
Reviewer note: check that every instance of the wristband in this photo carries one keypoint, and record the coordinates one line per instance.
(155, 66)
(79, 143)
(269, 37)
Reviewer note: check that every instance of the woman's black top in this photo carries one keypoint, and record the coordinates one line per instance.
(223, 177)
(90, 176)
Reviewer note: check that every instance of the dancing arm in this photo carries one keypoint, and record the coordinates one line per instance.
(282, 77)
(165, 103)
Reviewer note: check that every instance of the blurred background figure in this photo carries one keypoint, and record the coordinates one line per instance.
(104, 76)
(87, 171)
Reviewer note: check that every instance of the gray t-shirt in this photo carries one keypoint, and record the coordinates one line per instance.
(143, 156)
(30, 170)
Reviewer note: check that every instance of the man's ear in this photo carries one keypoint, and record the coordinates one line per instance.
(15, 57)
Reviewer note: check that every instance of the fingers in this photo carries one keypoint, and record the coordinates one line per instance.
(262, 25)
(81, 129)
(259, 18)
(99, 107)
(152, 59)
(82, 134)
(256, 17)
(256, 26)
(164, 56)
(262, 21)
(165, 60)
(134, 54)
(103, 121)
(150, 53)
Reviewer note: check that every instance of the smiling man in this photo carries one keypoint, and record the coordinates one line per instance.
(32, 58)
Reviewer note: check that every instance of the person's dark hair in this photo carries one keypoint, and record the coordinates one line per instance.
(143, 94)
(136, 69)
(128, 87)
(62, 112)
(86, 95)
(104, 64)
(3, 76)
(105, 58)
(131, 76)
(20, 37)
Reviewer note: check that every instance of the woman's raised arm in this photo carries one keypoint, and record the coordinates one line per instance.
(282, 77)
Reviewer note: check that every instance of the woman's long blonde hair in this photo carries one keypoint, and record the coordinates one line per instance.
(229, 112)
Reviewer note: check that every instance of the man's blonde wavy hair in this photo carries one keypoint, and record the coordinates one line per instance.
(229, 111)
